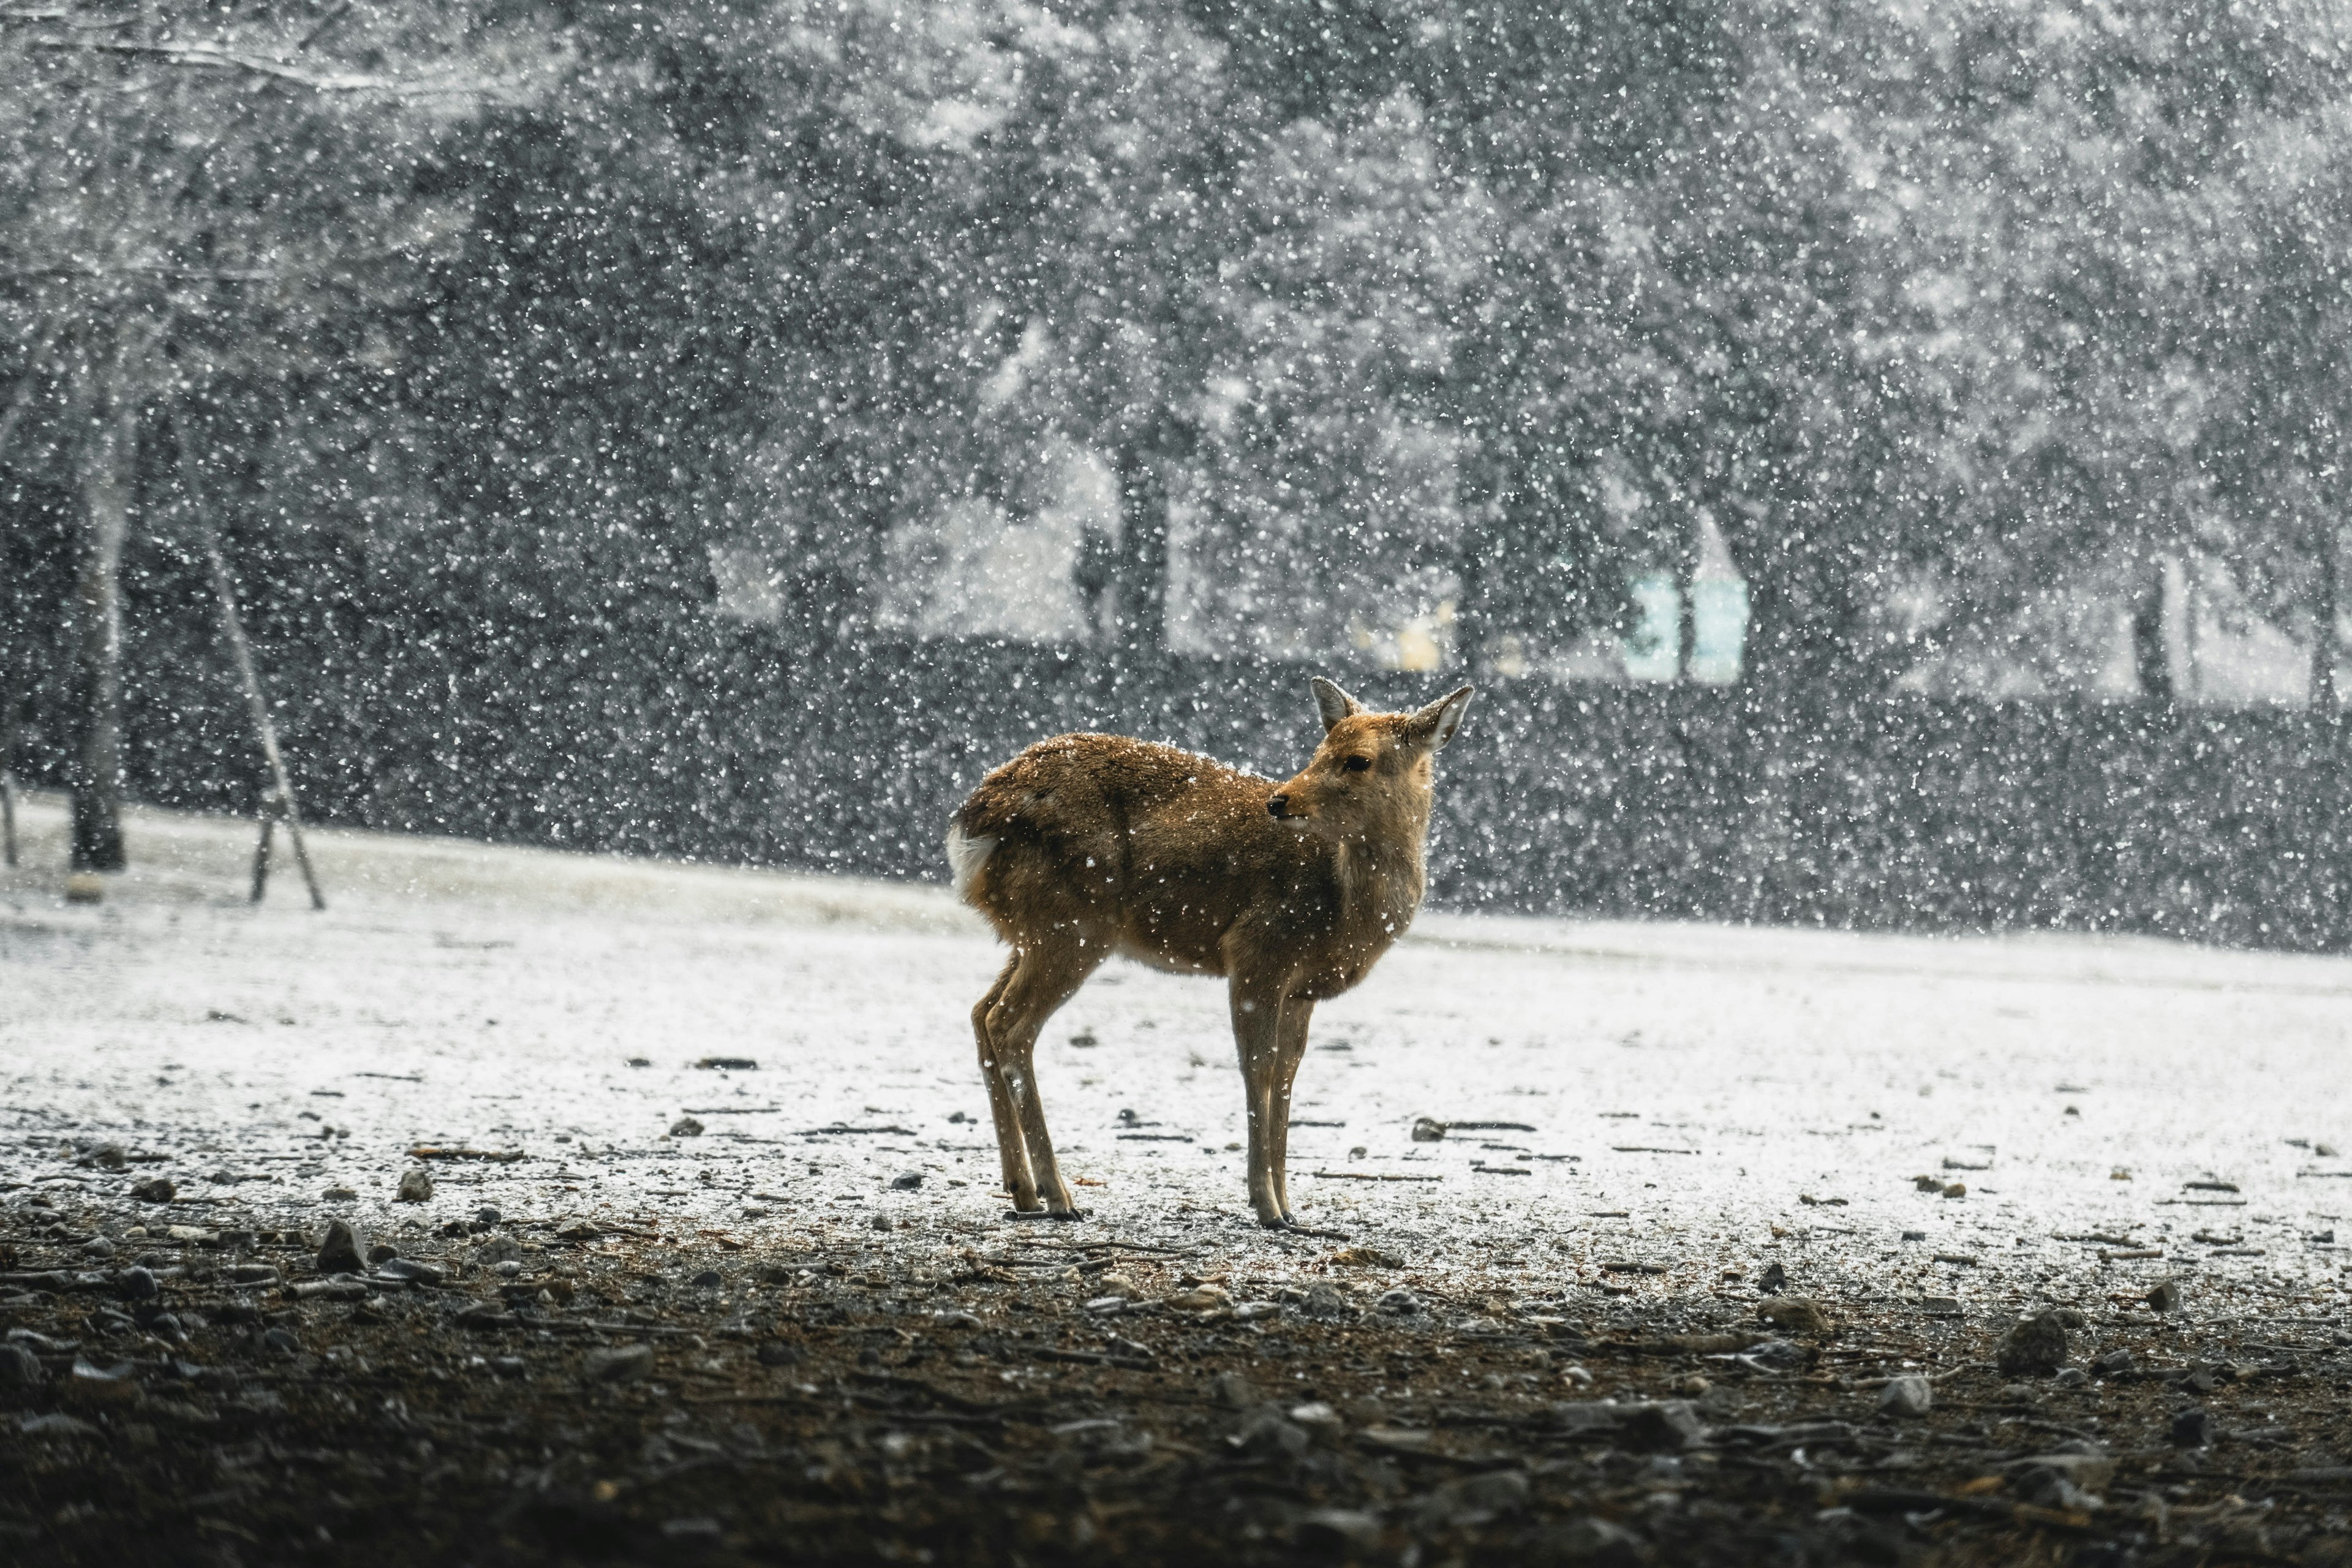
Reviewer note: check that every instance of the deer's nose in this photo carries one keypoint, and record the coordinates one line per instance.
(1278, 805)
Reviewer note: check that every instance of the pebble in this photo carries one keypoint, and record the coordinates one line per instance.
(345, 1249)
(1338, 1532)
(2035, 1347)
(415, 1185)
(1796, 1314)
(409, 1270)
(686, 1127)
(252, 1274)
(487, 1215)
(2071, 1377)
(282, 1341)
(158, 1190)
(135, 1284)
(1907, 1396)
(777, 1352)
(709, 1279)
(98, 1247)
(619, 1363)
(19, 1367)
(907, 1183)
(1325, 1301)
(2192, 1428)
(1773, 1280)
(1428, 1130)
(339, 1196)
(105, 1157)
(1403, 1303)
(90, 1384)
(882, 1221)
(2165, 1296)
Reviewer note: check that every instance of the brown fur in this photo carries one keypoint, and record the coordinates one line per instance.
(1103, 845)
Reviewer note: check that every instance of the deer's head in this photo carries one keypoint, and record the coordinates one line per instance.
(1372, 776)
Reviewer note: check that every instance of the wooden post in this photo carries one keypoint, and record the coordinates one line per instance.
(282, 806)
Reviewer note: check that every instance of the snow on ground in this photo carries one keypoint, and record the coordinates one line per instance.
(1703, 1099)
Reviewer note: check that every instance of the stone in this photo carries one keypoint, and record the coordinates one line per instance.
(1338, 1531)
(1324, 1301)
(882, 1221)
(1474, 1499)
(907, 1183)
(55, 1424)
(1907, 1397)
(1266, 1435)
(135, 1284)
(252, 1273)
(2034, 1347)
(415, 1185)
(709, 1279)
(1594, 1541)
(1237, 1390)
(2071, 1377)
(2164, 1295)
(2062, 1479)
(97, 1248)
(1201, 1298)
(686, 1127)
(1664, 1425)
(618, 1363)
(412, 1271)
(1773, 1280)
(1428, 1130)
(339, 1196)
(1956, 1190)
(345, 1249)
(20, 1368)
(1940, 1306)
(2192, 1428)
(88, 1385)
(1319, 1419)
(280, 1340)
(1399, 1303)
(487, 1215)
(1796, 1315)
(104, 1157)
(158, 1190)
(777, 1352)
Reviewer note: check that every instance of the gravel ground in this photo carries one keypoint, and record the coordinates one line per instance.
(737, 1285)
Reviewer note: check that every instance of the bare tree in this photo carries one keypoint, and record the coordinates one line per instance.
(189, 204)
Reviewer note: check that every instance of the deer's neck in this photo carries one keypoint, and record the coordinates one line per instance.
(1381, 874)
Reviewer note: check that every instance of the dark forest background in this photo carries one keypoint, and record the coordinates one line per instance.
(475, 333)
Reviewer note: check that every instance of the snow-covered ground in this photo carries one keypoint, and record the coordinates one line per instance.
(1701, 1097)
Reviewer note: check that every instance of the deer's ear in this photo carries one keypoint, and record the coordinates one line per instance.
(1335, 703)
(1436, 723)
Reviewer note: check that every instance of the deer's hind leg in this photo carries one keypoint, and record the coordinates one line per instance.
(1010, 1154)
(1043, 975)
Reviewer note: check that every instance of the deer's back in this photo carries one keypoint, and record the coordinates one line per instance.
(1155, 849)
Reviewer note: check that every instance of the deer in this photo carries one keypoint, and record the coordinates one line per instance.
(1087, 846)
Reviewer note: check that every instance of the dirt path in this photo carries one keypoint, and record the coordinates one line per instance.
(854, 1355)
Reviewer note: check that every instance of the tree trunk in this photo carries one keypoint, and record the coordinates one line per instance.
(2325, 646)
(1140, 591)
(1686, 624)
(2148, 659)
(108, 470)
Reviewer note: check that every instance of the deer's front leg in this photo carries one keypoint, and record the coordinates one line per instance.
(1290, 1040)
(1257, 1022)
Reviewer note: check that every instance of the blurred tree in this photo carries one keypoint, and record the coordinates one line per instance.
(201, 209)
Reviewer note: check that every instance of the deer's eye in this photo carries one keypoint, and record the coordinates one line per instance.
(1357, 764)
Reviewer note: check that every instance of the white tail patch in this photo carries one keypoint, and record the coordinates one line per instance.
(966, 856)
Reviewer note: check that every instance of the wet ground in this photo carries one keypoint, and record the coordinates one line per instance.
(1715, 1261)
